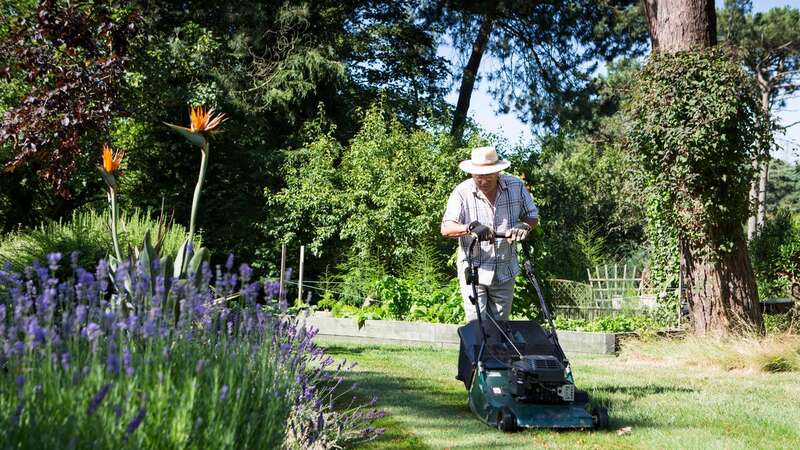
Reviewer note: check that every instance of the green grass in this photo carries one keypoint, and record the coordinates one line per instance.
(666, 407)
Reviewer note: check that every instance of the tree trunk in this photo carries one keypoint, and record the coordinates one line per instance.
(468, 77)
(763, 177)
(721, 292)
(679, 25)
(752, 221)
(764, 173)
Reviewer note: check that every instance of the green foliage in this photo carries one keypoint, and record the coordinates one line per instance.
(696, 128)
(383, 194)
(783, 186)
(775, 252)
(782, 323)
(768, 44)
(404, 299)
(591, 245)
(358, 279)
(616, 324)
(663, 273)
(546, 50)
(590, 204)
(86, 232)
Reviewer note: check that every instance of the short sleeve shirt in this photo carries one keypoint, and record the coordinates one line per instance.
(496, 260)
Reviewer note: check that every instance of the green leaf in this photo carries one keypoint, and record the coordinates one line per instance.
(195, 138)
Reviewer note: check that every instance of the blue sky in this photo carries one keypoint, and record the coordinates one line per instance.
(483, 107)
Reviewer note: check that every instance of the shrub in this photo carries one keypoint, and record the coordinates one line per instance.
(87, 367)
(382, 195)
(87, 233)
(775, 252)
(616, 324)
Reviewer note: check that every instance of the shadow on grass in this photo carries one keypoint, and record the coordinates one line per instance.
(624, 397)
(641, 391)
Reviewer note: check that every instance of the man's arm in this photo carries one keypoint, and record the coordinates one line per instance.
(531, 222)
(453, 229)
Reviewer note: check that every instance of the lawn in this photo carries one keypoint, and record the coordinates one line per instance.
(664, 406)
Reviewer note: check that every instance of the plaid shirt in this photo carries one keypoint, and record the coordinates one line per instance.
(497, 260)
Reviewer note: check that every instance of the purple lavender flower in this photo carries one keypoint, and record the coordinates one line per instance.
(92, 331)
(80, 314)
(20, 381)
(223, 393)
(65, 361)
(272, 289)
(112, 361)
(53, 259)
(149, 328)
(320, 421)
(74, 259)
(127, 361)
(229, 262)
(131, 323)
(245, 272)
(97, 399)
(136, 421)
(36, 333)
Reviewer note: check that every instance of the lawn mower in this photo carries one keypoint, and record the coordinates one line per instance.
(516, 374)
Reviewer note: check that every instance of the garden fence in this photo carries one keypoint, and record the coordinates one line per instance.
(612, 290)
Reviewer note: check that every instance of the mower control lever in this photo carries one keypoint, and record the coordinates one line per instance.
(475, 236)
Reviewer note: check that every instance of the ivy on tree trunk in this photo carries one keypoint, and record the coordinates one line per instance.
(696, 127)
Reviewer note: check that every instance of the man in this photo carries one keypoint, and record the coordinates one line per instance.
(488, 205)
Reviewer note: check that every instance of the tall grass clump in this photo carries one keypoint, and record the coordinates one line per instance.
(163, 365)
(771, 353)
(87, 232)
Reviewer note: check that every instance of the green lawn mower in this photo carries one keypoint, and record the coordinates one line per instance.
(516, 374)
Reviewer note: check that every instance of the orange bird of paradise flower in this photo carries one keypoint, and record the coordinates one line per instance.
(111, 159)
(203, 121)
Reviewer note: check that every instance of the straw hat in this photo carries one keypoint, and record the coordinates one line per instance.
(484, 160)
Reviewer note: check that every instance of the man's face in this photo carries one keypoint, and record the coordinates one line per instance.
(486, 182)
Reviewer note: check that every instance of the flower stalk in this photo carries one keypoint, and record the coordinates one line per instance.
(198, 187)
(112, 199)
(111, 163)
(202, 123)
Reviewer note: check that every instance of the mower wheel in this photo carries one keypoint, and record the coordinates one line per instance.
(600, 417)
(506, 421)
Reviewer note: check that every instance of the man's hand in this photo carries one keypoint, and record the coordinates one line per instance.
(483, 232)
(519, 232)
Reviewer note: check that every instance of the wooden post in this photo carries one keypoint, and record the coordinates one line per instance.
(300, 277)
(281, 291)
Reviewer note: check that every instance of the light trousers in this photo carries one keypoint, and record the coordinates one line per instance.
(497, 296)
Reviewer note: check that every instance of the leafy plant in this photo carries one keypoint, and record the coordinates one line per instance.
(87, 233)
(775, 252)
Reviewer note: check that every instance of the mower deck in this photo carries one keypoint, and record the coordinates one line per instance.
(489, 395)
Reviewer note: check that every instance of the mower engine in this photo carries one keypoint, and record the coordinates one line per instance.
(540, 379)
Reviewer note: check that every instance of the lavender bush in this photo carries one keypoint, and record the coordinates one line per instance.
(86, 366)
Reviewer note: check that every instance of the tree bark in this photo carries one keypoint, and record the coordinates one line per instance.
(722, 294)
(721, 291)
(764, 172)
(468, 77)
(680, 25)
(763, 177)
(752, 221)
